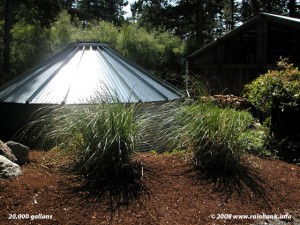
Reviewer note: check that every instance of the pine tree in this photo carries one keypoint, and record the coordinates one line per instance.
(7, 38)
(107, 10)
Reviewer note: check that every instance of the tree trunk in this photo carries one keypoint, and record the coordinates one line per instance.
(7, 38)
(292, 8)
(200, 23)
(255, 7)
(232, 14)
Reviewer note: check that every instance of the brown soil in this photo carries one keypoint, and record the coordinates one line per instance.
(171, 193)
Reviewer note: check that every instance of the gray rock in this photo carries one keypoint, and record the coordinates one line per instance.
(7, 152)
(9, 169)
(20, 151)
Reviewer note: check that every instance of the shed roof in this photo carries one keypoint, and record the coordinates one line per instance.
(281, 20)
(84, 73)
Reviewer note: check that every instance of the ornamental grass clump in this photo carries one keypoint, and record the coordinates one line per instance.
(210, 134)
(99, 140)
(213, 135)
(211, 140)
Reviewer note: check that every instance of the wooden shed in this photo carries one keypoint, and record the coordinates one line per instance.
(239, 56)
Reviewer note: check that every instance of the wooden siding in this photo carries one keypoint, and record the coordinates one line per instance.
(243, 54)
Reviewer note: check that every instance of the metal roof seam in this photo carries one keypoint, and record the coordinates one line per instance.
(51, 76)
(121, 78)
(29, 78)
(139, 77)
(157, 79)
(70, 83)
(43, 64)
(113, 78)
(136, 84)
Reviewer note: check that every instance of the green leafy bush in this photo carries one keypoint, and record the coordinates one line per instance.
(277, 93)
(282, 83)
(28, 40)
(157, 51)
(61, 31)
(254, 141)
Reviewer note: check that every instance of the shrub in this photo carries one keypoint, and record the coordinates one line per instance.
(96, 31)
(209, 139)
(157, 51)
(254, 141)
(100, 140)
(28, 40)
(61, 31)
(282, 83)
(277, 93)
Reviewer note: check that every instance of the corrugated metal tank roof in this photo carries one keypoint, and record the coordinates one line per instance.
(86, 73)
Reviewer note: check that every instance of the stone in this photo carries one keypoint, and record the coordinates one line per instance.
(7, 152)
(9, 169)
(20, 151)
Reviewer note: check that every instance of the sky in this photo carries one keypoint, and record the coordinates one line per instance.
(127, 8)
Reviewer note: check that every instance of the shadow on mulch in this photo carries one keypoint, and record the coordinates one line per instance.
(243, 180)
(120, 190)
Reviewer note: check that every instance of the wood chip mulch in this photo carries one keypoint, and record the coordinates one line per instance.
(171, 192)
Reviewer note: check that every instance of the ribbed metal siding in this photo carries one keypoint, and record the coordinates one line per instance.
(152, 135)
(149, 140)
(15, 117)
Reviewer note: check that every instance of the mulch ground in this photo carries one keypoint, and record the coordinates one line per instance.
(171, 193)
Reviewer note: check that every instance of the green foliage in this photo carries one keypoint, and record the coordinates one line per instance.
(26, 47)
(283, 84)
(279, 91)
(200, 22)
(157, 51)
(107, 10)
(141, 47)
(254, 141)
(100, 140)
(214, 136)
(95, 31)
(278, 7)
(61, 31)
